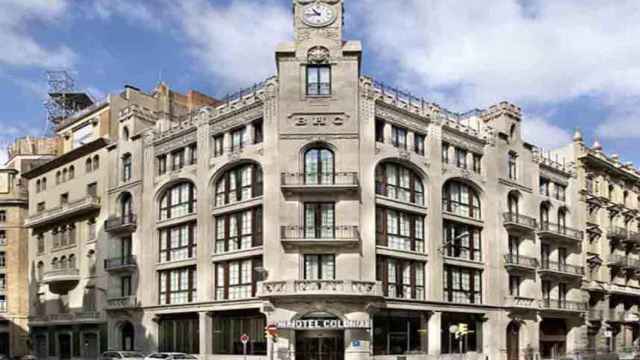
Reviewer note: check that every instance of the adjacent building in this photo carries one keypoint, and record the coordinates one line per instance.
(359, 220)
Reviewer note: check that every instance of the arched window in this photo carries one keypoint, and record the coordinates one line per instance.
(72, 172)
(178, 200)
(461, 199)
(58, 177)
(239, 183)
(96, 162)
(71, 263)
(44, 184)
(562, 219)
(399, 182)
(625, 198)
(37, 185)
(63, 262)
(126, 167)
(88, 165)
(319, 166)
(544, 215)
(125, 133)
(55, 264)
(40, 270)
(513, 204)
(64, 175)
(125, 206)
(611, 192)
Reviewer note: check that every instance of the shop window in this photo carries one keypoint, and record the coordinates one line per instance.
(460, 343)
(179, 334)
(399, 333)
(229, 326)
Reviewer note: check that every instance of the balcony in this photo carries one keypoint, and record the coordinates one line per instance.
(517, 222)
(619, 261)
(330, 288)
(121, 224)
(560, 233)
(617, 233)
(519, 262)
(622, 316)
(520, 302)
(122, 263)
(68, 210)
(331, 182)
(563, 305)
(299, 236)
(633, 237)
(74, 317)
(556, 269)
(61, 280)
(122, 302)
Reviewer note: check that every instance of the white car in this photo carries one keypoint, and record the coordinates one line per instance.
(122, 355)
(170, 356)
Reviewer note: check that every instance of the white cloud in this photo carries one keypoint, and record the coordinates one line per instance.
(131, 10)
(544, 134)
(18, 47)
(236, 42)
(546, 53)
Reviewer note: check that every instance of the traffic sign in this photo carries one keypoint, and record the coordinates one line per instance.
(244, 338)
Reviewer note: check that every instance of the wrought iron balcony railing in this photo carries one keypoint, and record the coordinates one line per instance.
(522, 221)
(559, 304)
(116, 223)
(558, 230)
(120, 262)
(520, 261)
(563, 268)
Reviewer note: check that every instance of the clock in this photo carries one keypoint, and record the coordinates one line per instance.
(318, 15)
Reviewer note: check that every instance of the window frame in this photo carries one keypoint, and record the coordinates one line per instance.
(317, 87)
(222, 244)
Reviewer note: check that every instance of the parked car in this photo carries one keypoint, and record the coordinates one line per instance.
(122, 355)
(170, 356)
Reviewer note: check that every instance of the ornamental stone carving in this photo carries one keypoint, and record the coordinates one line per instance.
(318, 55)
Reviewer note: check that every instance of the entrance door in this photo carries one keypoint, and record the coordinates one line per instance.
(513, 341)
(90, 345)
(4, 344)
(320, 348)
(64, 346)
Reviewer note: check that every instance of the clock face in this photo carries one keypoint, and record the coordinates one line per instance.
(318, 15)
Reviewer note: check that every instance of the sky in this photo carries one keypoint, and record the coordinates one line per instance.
(568, 64)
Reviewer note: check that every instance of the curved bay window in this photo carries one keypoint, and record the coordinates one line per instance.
(400, 183)
(399, 230)
(461, 199)
(462, 241)
(401, 278)
(239, 183)
(319, 166)
(179, 200)
(238, 231)
(178, 242)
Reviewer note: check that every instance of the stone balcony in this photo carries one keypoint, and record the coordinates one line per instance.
(519, 262)
(61, 280)
(596, 315)
(318, 182)
(122, 302)
(560, 233)
(520, 302)
(121, 263)
(294, 236)
(65, 211)
(617, 233)
(619, 261)
(330, 288)
(71, 317)
(560, 270)
(121, 224)
(633, 238)
(622, 316)
(517, 222)
(563, 305)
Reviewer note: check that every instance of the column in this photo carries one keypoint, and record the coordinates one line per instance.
(411, 143)
(433, 331)
(226, 142)
(251, 134)
(205, 323)
(387, 133)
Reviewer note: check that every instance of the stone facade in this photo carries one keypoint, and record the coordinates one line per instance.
(360, 221)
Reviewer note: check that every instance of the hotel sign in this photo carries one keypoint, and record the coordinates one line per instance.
(322, 324)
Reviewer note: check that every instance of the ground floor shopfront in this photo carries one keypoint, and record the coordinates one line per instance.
(69, 341)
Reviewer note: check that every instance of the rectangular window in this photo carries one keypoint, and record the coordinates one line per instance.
(258, 135)
(513, 166)
(319, 221)
(238, 138)
(3, 237)
(561, 192)
(419, 143)
(92, 189)
(445, 153)
(193, 154)
(461, 158)
(239, 231)
(229, 326)
(477, 163)
(125, 286)
(177, 159)
(462, 285)
(179, 333)
(319, 267)
(399, 230)
(3, 261)
(379, 130)
(514, 285)
(162, 164)
(237, 279)
(398, 333)
(178, 242)
(318, 80)
(462, 241)
(218, 145)
(401, 278)
(178, 286)
(544, 187)
(64, 199)
(399, 137)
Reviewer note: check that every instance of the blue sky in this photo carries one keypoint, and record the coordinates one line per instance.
(568, 63)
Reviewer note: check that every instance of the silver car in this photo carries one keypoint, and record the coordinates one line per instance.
(170, 356)
(122, 355)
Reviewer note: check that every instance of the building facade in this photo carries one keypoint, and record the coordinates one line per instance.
(360, 221)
